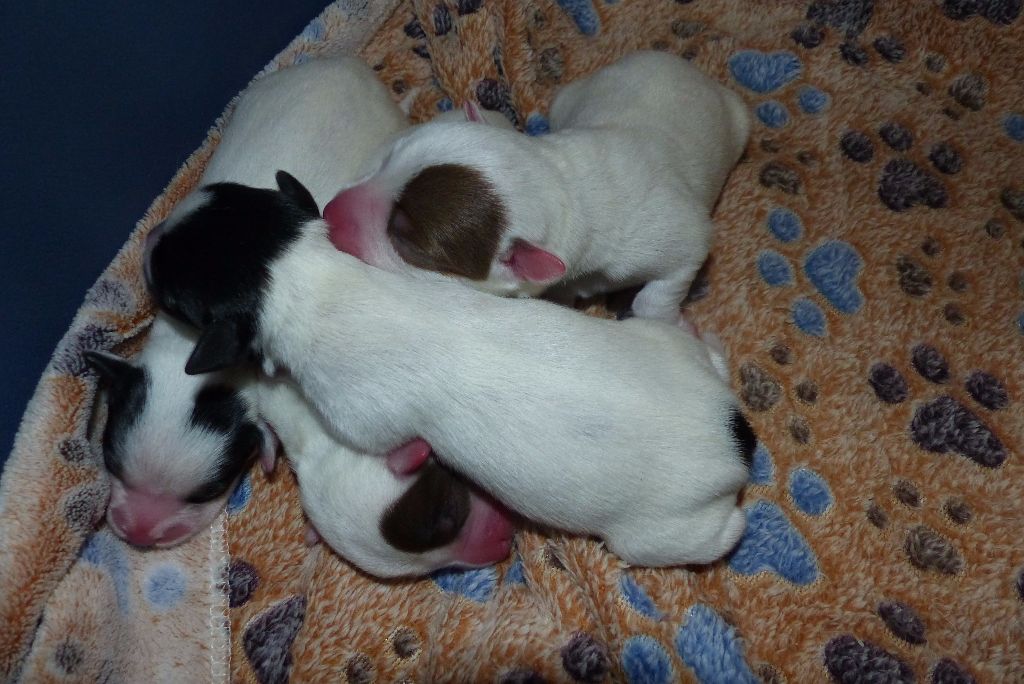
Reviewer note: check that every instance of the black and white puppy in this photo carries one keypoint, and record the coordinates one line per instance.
(176, 446)
(618, 194)
(620, 430)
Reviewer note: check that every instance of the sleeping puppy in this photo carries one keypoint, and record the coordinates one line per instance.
(620, 193)
(620, 430)
(176, 446)
(388, 525)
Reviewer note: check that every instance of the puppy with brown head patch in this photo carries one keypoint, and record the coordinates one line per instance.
(388, 524)
(620, 193)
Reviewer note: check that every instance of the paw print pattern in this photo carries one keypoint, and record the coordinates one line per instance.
(765, 73)
(943, 424)
(999, 12)
(903, 183)
(917, 281)
(832, 267)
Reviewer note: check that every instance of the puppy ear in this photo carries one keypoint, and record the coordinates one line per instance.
(110, 367)
(222, 344)
(530, 262)
(408, 458)
(297, 192)
(473, 112)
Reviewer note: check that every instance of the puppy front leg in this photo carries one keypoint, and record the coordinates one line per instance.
(663, 298)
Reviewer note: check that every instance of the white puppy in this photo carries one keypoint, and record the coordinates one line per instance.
(620, 193)
(386, 524)
(621, 430)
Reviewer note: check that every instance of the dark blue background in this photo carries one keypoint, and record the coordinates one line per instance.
(100, 103)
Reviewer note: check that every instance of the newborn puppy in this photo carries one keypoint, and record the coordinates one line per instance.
(175, 445)
(620, 193)
(621, 430)
(387, 525)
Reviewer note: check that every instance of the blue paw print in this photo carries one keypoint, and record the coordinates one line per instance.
(772, 114)
(164, 586)
(637, 598)
(712, 649)
(762, 469)
(1013, 124)
(771, 543)
(764, 72)
(812, 100)
(785, 225)
(810, 492)
(515, 573)
(241, 495)
(536, 124)
(477, 584)
(809, 318)
(583, 13)
(445, 104)
(105, 550)
(833, 268)
(645, 661)
(774, 268)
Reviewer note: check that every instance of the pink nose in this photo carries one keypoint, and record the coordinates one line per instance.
(340, 214)
(142, 519)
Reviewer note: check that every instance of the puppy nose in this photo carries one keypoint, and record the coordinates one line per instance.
(140, 530)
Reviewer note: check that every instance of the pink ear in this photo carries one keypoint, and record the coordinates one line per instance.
(408, 458)
(530, 262)
(268, 448)
(473, 112)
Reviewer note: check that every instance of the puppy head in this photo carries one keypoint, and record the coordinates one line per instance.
(400, 525)
(209, 263)
(174, 447)
(452, 198)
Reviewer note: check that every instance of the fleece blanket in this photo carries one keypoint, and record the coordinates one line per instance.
(867, 281)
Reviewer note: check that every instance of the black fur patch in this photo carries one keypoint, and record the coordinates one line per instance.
(214, 264)
(430, 514)
(126, 398)
(219, 408)
(744, 435)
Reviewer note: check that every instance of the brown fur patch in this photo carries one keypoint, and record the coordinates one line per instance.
(430, 514)
(448, 219)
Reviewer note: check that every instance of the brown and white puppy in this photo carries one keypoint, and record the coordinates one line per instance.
(620, 193)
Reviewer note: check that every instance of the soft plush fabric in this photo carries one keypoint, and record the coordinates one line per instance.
(867, 281)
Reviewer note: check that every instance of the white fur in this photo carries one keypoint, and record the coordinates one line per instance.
(345, 493)
(613, 429)
(621, 190)
(319, 121)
